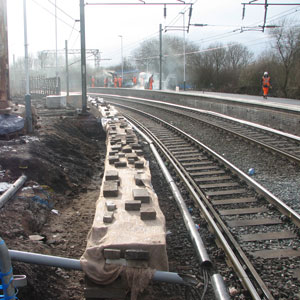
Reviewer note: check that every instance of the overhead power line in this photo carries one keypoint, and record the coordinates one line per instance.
(61, 10)
(44, 8)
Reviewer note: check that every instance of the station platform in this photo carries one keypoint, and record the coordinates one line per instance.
(292, 104)
(128, 237)
(277, 113)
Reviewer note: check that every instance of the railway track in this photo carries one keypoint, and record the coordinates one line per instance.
(286, 145)
(261, 230)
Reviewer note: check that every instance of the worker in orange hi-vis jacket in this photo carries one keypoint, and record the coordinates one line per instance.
(151, 82)
(266, 84)
(93, 81)
(120, 81)
(134, 80)
(115, 81)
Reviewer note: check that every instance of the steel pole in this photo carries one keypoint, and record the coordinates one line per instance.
(27, 93)
(67, 69)
(56, 64)
(184, 51)
(122, 61)
(4, 69)
(160, 56)
(83, 58)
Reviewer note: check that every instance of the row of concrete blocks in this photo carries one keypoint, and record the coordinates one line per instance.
(140, 196)
(127, 152)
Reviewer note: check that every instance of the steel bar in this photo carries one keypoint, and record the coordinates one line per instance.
(218, 285)
(83, 58)
(12, 190)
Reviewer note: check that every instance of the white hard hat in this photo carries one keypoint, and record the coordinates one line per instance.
(266, 73)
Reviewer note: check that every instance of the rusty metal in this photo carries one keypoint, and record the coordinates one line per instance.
(4, 66)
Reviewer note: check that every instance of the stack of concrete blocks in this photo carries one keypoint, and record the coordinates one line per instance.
(131, 213)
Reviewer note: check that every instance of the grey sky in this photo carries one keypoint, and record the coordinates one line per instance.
(104, 24)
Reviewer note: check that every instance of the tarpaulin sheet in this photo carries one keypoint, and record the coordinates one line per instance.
(10, 123)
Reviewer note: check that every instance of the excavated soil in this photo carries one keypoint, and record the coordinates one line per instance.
(63, 161)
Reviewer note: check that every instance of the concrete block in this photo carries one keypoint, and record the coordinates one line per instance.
(148, 213)
(112, 253)
(138, 180)
(116, 147)
(113, 159)
(110, 206)
(131, 161)
(136, 254)
(112, 153)
(133, 205)
(136, 146)
(56, 101)
(115, 141)
(126, 149)
(139, 152)
(139, 164)
(111, 175)
(120, 164)
(112, 132)
(142, 195)
(108, 217)
(132, 156)
(121, 155)
(110, 189)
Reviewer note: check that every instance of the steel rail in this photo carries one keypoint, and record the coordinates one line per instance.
(225, 245)
(280, 205)
(221, 292)
(194, 188)
(255, 141)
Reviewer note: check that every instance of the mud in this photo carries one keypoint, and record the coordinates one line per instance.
(63, 161)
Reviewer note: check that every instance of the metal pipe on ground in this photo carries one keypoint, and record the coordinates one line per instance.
(74, 264)
(220, 289)
(12, 190)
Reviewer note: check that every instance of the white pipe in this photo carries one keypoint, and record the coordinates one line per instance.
(12, 190)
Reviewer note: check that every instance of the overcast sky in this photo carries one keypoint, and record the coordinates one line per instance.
(104, 24)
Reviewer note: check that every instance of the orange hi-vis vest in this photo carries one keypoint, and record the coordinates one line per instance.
(266, 81)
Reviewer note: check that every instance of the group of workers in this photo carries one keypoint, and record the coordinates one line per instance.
(266, 83)
(117, 81)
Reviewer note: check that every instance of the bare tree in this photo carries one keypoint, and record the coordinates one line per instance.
(286, 48)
